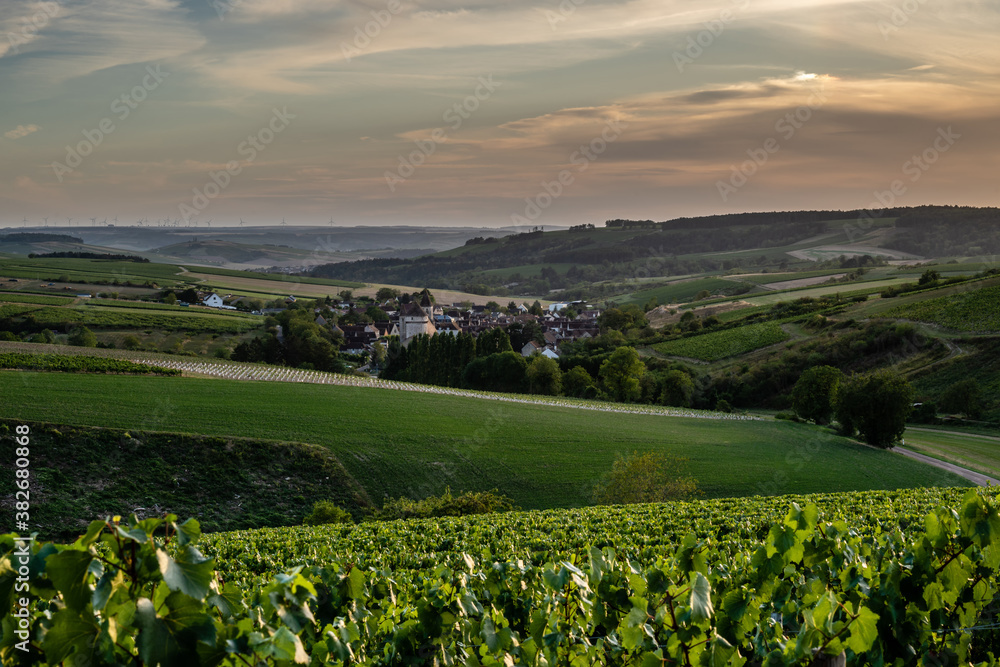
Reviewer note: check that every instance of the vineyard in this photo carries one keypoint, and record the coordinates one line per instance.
(974, 310)
(717, 345)
(901, 578)
(79, 364)
(40, 299)
(101, 317)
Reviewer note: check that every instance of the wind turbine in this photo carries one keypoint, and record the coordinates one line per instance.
(283, 223)
(209, 222)
(69, 222)
(115, 220)
(241, 222)
(46, 221)
(104, 222)
(331, 221)
(93, 221)
(24, 222)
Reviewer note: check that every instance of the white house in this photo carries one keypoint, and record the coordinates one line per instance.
(213, 300)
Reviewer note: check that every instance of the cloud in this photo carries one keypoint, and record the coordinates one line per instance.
(21, 131)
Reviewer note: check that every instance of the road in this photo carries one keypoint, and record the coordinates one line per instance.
(975, 477)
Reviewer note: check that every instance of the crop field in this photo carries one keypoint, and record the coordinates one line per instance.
(343, 284)
(979, 452)
(39, 299)
(399, 443)
(637, 532)
(679, 292)
(75, 363)
(90, 270)
(103, 317)
(977, 310)
(717, 345)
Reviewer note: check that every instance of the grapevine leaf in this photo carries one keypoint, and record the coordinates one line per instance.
(68, 570)
(190, 573)
(68, 631)
(701, 598)
(188, 532)
(864, 631)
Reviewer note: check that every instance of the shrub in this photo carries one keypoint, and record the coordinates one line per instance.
(83, 337)
(646, 478)
(963, 397)
(470, 502)
(324, 511)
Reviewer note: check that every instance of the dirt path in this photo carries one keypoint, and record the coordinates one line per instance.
(975, 477)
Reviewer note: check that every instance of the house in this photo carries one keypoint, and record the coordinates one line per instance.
(413, 321)
(530, 348)
(213, 300)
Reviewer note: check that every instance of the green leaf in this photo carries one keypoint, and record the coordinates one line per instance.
(93, 532)
(68, 571)
(190, 573)
(188, 532)
(864, 631)
(155, 642)
(701, 598)
(68, 631)
(228, 601)
(288, 647)
(356, 584)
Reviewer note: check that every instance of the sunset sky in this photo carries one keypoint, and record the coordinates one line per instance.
(450, 112)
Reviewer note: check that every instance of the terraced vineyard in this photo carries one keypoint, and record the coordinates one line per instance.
(103, 317)
(871, 579)
(717, 345)
(975, 310)
(40, 299)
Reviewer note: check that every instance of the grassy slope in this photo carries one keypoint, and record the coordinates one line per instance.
(401, 443)
(81, 474)
(978, 452)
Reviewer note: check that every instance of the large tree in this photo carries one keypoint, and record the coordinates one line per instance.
(876, 405)
(815, 393)
(544, 376)
(620, 374)
(678, 389)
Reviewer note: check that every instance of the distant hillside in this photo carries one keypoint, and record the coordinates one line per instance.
(572, 261)
(32, 237)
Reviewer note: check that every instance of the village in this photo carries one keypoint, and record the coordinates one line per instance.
(557, 323)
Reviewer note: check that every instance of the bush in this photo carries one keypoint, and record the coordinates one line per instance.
(131, 342)
(646, 478)
(678, 389)
(324, 511)
(470, 502)
(925, 413)
(722, 405)
(83, 337)
(963, 397)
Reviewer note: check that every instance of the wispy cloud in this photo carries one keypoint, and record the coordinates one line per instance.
(21, 131)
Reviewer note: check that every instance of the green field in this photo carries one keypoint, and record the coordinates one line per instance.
(976, 310)
(89, 270)
(978, 452)
(39, 299)
(679, 292)
(397, 443)
(104, 317)
(233, 273)
(717, 345)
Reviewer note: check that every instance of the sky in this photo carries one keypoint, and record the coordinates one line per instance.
(488, 113)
